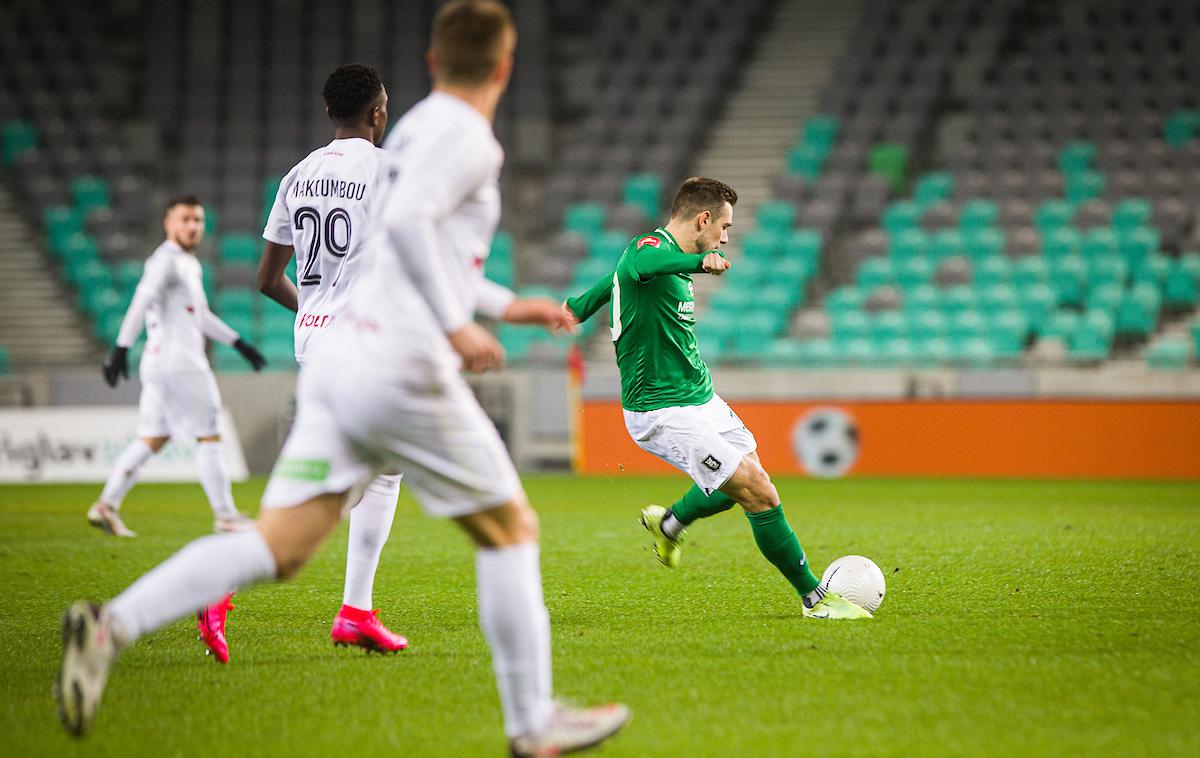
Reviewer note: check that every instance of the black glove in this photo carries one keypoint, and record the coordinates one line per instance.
(251, 354)
(116, 365)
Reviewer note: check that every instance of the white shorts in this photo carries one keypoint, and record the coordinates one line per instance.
(706, 442)
(184, 404)
(353, 423)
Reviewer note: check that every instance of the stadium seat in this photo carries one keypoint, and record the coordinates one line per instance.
(1051, 215)
(923, 297)
(1169, 354)
(239, 249)
(1181, 127)
(762, 244)
(1136, 243)
(1077, 158)
(1098, 242)
(230, 301)
(891, 161)
(1009, 330)
(1137, 313)
(957, 299)
(805, 244)
(1153, 269)
(901, 215)
(16, 137)
(844, 300)
(890, 325)
(978, 214)
(946, 243)
(1092, 340)
(777, 216)
(1105, 296)
(875, 272)
(1180, 291)
(1131, 213)
(994, 269)
(1109, 270)
(983, 243)
(850, 325)
(820, 131)
(1084, 186)
(607, 245)
(88, 192)
(212, 221)
(806, 160)
(1061, 325)
(914, 272)
(1061, 241)
(645, 191)
(584, 218)
(1029, 271)
(933, 187)
(1037, 302)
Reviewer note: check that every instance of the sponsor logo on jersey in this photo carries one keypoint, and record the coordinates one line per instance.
(712, 463)
(650, 240)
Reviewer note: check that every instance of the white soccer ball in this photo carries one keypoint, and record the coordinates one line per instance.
(826, 441)
(857, 579)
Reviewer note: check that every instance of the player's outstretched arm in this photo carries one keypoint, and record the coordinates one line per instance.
(598, 295)
(650, 262)
(272, 275)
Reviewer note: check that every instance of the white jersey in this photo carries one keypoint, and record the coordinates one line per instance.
(439, 205)
(170, 301)
(323, 209)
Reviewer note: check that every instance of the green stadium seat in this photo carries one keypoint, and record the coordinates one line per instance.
(806, 160)
(1069, 278)
(1189, 262)
(776, 216)
(859, 352)
(278, 323)
(1131, 213)
(1060, 241)
(795, 271)
(875, 272)
(15, 138)
(107, 325)
(127, 275)
(891, 161)
(978, 214)
(820, 131)
(239, 249)
(608, 245)
(61, 221)
(844, 299)
(901, 215)
(775, 296)
(850, 325)
(280, 352)
(1100, 241)
(762, 244)
(1061, 325)
(805, 244)
(1009, 330)
(1137, 313)
(1180, 291)
(984, 243)
(946, 243)
(1037, 302)
(584, 218)
(907, 243)
(100, 299)
(1052, 214)
(922, 298)
(503, 271)
(914, 272)
(751, 345)
(1084, 186)
(1137, 243)
(957, 299)
(1092, 341)
(933, 187)
(1105, 297)
(890, 325)
(895, 352)
(588, 271)
(644, 191)
(245, 324)
(1181, 127)
(998, 298)
(967, 324)
(1111, 270)
(786, 352)
(928, 324)
(973, 352)
(1030, 270)
(88, 274)
(818, 353)
(1076, 158)
(231, 300)
(1169, 355)
(88, 192)
(1153, 269)
(933, 351)
(994, 269)
(502, 246)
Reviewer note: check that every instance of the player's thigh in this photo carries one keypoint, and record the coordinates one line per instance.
(686, 438)
(434, 431)
(152, 411)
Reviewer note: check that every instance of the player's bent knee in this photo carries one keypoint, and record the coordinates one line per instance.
(510, 523)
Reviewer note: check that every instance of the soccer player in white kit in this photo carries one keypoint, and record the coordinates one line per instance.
(385, 391)
(179, 392)
(321, 217)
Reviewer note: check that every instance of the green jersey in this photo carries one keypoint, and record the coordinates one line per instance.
(652, 319)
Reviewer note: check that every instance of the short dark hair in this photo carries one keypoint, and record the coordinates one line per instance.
(349, 91)
(188, 200)
(700, 194)
(467, 39)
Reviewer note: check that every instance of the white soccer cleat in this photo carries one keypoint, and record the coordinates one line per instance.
(108, 518)
(571, 729)
(88, 653)
(237, 523)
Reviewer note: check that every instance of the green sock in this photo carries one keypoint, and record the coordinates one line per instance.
(695, 504)
(779, 545)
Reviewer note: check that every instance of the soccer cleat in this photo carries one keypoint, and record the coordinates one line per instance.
(88, 653)
(354, 626)
(211, 623)
(239, 522)
(570, 730)
(667, 549)
(834, 606)
(109, 519)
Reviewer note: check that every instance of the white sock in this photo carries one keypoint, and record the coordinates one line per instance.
(512, 613)
(370, 524)
(125, 474)
(200, 574)
(214, 478)
(671, 526)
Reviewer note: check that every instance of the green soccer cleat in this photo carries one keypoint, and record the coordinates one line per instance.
(667, 549)
(834, 606)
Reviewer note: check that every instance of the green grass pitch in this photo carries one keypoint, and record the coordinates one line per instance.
(1029, 618)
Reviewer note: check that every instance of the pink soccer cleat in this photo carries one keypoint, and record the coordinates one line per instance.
(354, 626)
(211, 623)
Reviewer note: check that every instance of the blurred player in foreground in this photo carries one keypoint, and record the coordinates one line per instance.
(387, 393)
(179, 391)
(670, 408)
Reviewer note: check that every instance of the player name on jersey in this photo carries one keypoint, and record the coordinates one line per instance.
(328, 188)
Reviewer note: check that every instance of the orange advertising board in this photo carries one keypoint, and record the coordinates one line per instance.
(1090, 439)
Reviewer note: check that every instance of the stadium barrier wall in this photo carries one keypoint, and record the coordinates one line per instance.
(1092, 439)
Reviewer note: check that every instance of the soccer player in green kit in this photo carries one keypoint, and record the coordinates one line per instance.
(667, 394)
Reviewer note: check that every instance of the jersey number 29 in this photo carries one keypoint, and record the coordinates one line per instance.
(337, 241)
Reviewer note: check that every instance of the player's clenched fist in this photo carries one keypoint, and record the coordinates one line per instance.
(479, 349)
(714, 264)
(540, 311)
